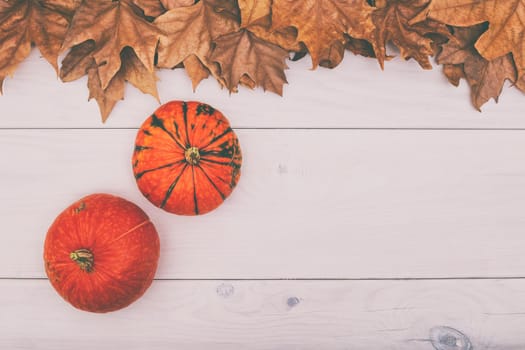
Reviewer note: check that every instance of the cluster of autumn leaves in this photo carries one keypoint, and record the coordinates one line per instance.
(247, 42)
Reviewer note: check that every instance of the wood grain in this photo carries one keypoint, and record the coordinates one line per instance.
(356, 94)
(310, 203)
(394, 315)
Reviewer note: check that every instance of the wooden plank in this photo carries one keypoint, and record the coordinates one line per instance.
(310, 203)
(397, 315)
(357, 94)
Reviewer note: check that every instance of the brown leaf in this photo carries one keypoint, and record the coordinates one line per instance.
(77, 61)
(506, 32)
(244, 58)
(392, 19)
(132, 70)
(65, 7)
(321, 24)
(189, 31)
(171, 4)
(196, 70)
(485, 78)
(112, 25)
(360, 47)
(256, 17)
(151, 8)
(23, 22)
(255, 12)
(106, 98)
(454, 73)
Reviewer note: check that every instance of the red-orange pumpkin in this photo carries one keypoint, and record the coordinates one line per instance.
(187, 158)
(101, 253)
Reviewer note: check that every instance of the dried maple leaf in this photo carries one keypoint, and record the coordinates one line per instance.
(506, 32)
(77, 61)
(132, 70)
(113, 25)
(254, 12)
(361, 47)
(80, 62)
(151, 8)
(244, 58)
(189, 32)
(171, 4)
(454, 73)
(106, 98)
(321, 24)
(485, 78)
(256, 17)
(392, 18)
(23, 22)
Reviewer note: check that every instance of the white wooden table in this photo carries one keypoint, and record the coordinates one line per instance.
(376, 210)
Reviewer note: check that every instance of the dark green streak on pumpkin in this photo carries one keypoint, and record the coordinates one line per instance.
(225, 152)
(172, 186)
(216, 162)
(139, 148)
(136, 163)
(139, 175)
(194, 191)
(212, 183)
(176, 126)
(226, 132)
(158, 123)
(205, 109)
(146, 132)
(185, 115)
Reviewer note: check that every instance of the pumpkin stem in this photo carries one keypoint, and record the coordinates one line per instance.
(192, 155)
(84, 259)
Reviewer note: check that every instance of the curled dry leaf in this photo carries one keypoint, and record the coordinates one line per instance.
(189, 32)
(361, 47)
(322, 24)
(391, 19)
(113, 25)
(132, 70)
(150, 8)
(23, 22)
(485, 78)
(244, 58)
(506, 32)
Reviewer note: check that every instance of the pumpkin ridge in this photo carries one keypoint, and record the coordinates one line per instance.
(218, 137)
(172, 186)
(194, 191)
(139, 175)
(212, 183)
(145, 222)
(156, 122)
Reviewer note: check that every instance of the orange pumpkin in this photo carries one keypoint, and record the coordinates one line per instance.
(101, 253)
(187, 158)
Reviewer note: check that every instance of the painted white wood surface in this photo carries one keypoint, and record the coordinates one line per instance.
(394, 315)
(357, 94)
(310, 203)
(328, 199)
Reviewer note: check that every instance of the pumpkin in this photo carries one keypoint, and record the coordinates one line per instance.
(101, 253)
(187, 158)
